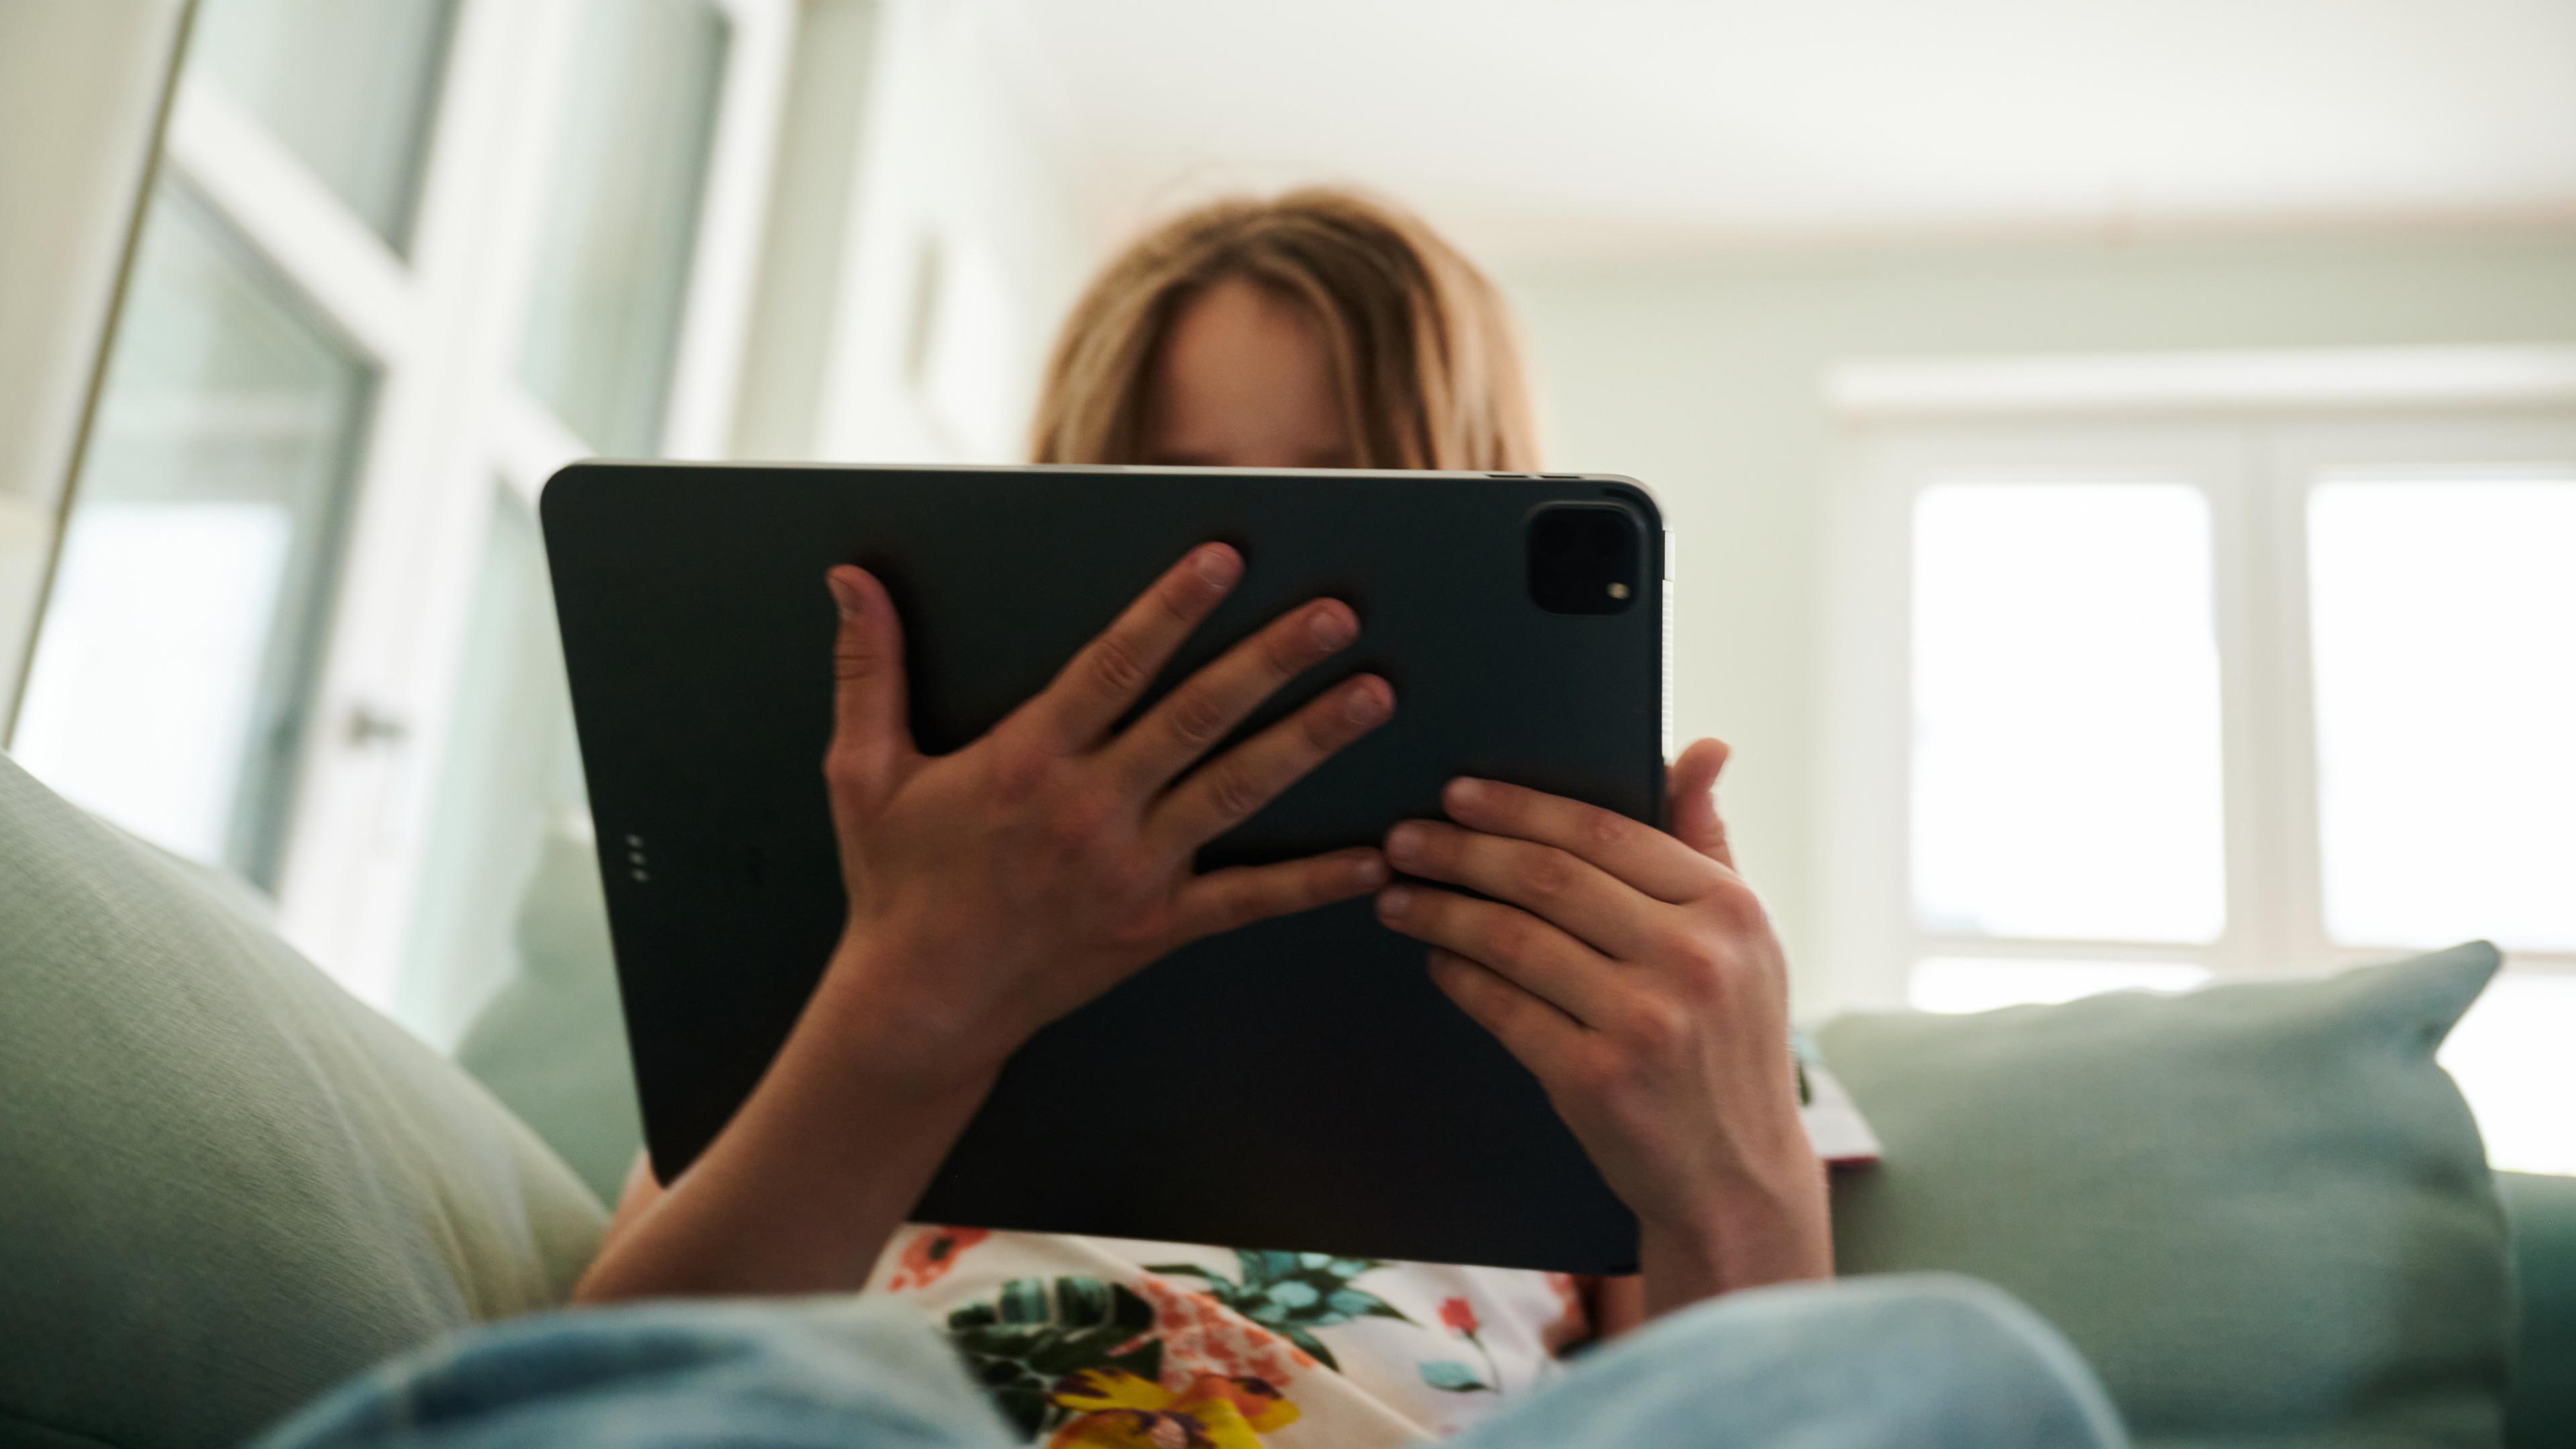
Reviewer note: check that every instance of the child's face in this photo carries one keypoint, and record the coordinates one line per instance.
(1243, 381)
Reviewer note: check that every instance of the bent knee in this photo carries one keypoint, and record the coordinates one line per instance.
(1939, 1358)
(1991, 1365)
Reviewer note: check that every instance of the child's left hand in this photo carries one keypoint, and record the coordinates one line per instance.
(1637, 976)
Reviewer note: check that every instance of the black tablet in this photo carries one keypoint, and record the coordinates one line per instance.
(1296, 1084)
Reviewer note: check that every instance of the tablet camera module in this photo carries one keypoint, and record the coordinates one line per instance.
(1585, 558)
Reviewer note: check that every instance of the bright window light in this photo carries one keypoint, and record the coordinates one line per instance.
(2445, 645)
(350, 89)
(2066, 738)
(145, 697)
(1973, 983)
(2511, 1059)
(171, 689)
(612, 283)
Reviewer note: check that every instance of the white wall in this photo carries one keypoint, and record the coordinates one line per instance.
(81, 86)
(1704, 379)
(951, 167)
(1700, 375)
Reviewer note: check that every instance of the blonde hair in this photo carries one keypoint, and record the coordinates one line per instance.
(1422, 346)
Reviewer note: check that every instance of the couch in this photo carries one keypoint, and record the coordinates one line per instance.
(2261, 1211)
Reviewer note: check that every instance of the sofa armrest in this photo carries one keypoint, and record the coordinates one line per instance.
(2541, 1408)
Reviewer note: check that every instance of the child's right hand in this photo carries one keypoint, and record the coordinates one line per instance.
(997, 888)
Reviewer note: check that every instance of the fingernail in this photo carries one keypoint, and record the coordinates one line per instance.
(1404, 843)
(1365, 705)
(1368, 871)
(1465, 793)
(1394, 901)
(845, 592)
(1332, 628)
(1219, 566)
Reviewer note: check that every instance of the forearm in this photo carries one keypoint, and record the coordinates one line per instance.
(801, 1191)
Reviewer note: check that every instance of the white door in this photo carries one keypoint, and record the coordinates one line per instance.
(403, 260)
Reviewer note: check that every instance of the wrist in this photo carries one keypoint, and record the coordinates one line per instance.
(902, 1030)
(805, 1185)
(1775, 1229)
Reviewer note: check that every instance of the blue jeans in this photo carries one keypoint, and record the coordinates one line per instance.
(1924, 1362)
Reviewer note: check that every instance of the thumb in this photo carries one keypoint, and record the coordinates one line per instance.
(1691, 800)
(871, 740)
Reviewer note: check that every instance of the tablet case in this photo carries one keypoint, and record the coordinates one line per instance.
(1297, 1084)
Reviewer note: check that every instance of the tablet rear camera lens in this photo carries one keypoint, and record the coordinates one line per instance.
(1585, 558)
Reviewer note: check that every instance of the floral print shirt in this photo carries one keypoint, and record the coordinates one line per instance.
(1112, 1343)
(1105, 1343)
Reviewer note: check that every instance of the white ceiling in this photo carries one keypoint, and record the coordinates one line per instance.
(1614, 127)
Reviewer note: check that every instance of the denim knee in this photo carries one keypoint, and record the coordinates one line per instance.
(1924, 1362)
(2011, 1376)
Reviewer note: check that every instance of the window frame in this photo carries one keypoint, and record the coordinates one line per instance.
(2252, 432)
(2427, 447)
(441, 327)
(1872, 938)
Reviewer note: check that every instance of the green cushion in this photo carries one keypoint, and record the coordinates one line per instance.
(2260, 1210)
(552, 1043)
(225, 1183)
(2543, 1213)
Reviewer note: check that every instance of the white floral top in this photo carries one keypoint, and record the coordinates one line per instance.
(1109, 1343)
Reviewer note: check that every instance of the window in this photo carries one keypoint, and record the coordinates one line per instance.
(2145, 706)
(510, 777)
(168, 689)
(620, 229)
(350, 90)
(2443, 615)
(2066, 776)
(408, 258)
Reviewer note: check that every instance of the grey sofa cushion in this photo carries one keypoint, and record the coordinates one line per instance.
(225, 1183)
(2261, 1210)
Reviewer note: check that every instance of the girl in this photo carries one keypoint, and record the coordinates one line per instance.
(999, 887)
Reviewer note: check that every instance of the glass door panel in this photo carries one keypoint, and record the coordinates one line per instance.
(350, 88)
(621, 225)
(511, 778)
(169, 690)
